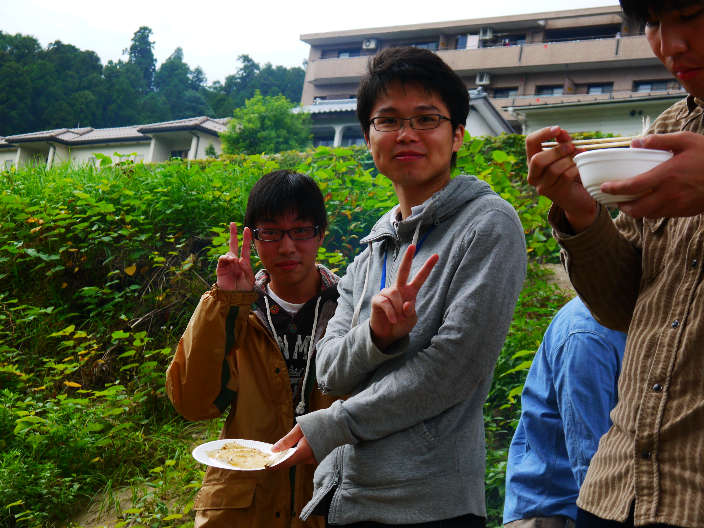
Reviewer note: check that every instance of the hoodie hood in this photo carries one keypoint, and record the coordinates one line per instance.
(445, 203)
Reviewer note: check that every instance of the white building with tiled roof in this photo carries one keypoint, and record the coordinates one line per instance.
(151, 143)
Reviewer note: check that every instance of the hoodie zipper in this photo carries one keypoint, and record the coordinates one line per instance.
(419, 245)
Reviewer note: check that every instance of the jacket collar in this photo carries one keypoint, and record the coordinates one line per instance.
(327, 279)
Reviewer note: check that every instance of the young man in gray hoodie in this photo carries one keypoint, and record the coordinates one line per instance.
(415, 356)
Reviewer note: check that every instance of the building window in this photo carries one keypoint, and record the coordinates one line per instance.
(503, 39)
(549, 90)
(341, 53)
(432, 46)
(502, 93)
(9, 164)
(352, 136)
(600, 88)
(323, 142)
(181, 154)
(347, 53)
(461, 42)
(655, 86)
(582, 33)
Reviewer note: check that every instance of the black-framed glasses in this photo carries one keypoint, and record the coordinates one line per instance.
(265, 234)
(418, 122)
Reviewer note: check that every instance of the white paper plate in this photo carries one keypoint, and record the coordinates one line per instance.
(201, 453)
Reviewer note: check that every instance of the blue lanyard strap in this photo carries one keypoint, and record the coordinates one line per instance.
(418, 246)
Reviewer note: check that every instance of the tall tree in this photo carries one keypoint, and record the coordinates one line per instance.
(141, 54)
(242, 85)
(273, 80)
(154, 108)
(266, 125)
(17, 54)
(250, 77)
(121, 107)
(197, 78)
(15, 99)
(180, 87)
(62, 86)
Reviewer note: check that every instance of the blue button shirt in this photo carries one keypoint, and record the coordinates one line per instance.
(570, 389)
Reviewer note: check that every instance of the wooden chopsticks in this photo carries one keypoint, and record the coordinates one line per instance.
(591, 144)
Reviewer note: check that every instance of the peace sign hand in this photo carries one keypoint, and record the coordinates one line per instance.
(235, 273)
(394, 309)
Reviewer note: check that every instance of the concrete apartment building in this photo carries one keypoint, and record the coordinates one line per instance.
(585, 69)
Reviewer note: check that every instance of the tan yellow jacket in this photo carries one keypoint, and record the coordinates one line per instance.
(252, 379)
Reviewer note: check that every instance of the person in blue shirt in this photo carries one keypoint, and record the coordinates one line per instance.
(570, 389)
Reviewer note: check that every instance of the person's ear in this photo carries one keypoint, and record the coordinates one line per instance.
(457, 138)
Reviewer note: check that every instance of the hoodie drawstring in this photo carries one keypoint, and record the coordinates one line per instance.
(415, 235)
(358, 308)
(303, 404)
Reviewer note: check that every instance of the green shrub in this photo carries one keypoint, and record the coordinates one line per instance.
(100, 270)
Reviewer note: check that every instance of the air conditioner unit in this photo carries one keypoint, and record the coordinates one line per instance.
(486, 33)
(369, 44)
(482, 79)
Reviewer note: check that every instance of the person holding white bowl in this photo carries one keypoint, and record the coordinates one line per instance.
(642, 273)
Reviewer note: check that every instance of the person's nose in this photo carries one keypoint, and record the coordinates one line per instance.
(674, 38)
(286, 244)
(406, 132)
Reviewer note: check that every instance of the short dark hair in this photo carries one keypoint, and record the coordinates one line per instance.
(285, 191)
(638, 11)
(411, 65)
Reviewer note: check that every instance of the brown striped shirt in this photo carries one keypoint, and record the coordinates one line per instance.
(646, 277)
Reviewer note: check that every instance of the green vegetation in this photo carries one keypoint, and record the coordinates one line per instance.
(62, 86)
(266, 125)
(99, 273)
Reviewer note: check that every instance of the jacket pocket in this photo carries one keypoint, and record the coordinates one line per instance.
(658, 256)
(231, 494)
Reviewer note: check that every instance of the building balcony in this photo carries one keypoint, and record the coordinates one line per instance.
(566, 99)
(535, 57)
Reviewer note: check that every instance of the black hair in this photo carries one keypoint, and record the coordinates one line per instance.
(411, 65)
(285, 191)
(639, 11)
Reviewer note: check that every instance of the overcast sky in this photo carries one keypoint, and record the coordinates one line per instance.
(213, 33)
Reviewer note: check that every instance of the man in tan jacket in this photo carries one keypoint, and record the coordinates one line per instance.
(250, 346)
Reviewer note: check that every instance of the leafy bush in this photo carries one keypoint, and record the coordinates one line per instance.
(267, 125)
(100, 270)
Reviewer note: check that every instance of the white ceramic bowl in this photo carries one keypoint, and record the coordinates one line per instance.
(602, 165)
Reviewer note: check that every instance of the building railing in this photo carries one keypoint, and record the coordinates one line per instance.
(638, 38)
(529, 56)
(521, 100)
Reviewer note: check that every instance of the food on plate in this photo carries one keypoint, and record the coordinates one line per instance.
(241, 456)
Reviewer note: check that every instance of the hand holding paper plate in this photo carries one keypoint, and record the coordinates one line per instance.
(240, 454)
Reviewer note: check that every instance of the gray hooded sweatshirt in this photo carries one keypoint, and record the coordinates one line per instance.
(407, 445)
